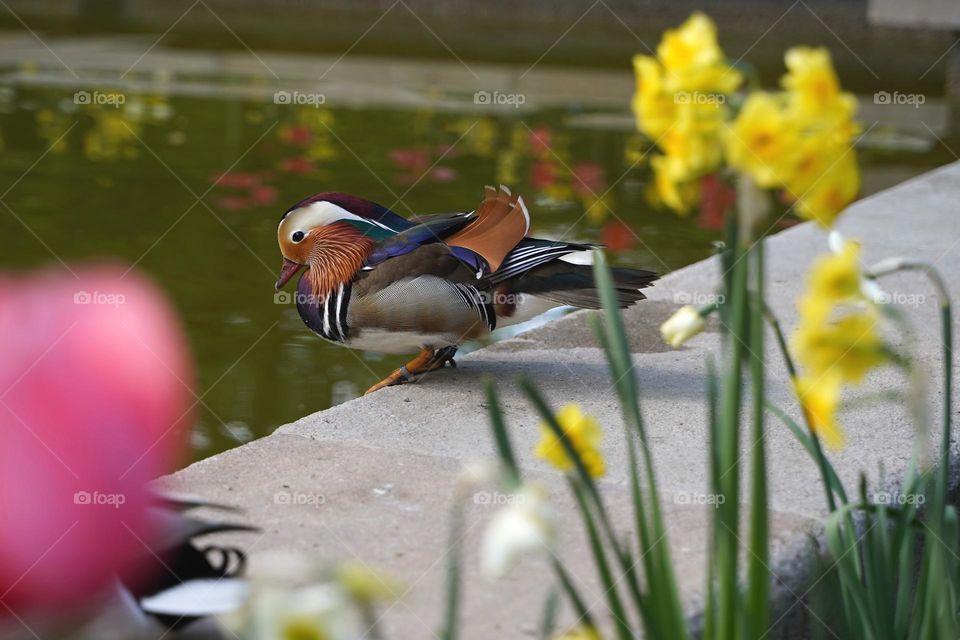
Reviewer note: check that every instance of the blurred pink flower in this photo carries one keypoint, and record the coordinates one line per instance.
(235, 179)
(411, 159)
(232, 203)
(716, 196)
(617, 236)
(297, 135)
(539, 140)
(263, 194)
(443, 174)
(542, 175)
(415, 165)
(94, 390)
(589, 179)
(297, 165)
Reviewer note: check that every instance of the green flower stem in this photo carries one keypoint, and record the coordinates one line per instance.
(586, 481)
(654, 545)
(583, 612)
(892, 265)
(728, 455)
(814, 438)
(758, 575)
(603, 567)
(454, 546)
(501, 437)
(937, 615)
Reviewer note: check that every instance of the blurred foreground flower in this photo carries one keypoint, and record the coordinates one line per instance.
(681, 326)
(366, 585)
(294, 596)
(94, 385)
(584, 632)
(819, 397)
(838, 340)
(839, 328)
(528, 525)
(584, 434)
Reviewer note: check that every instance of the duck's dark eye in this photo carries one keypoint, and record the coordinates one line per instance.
(297, 236)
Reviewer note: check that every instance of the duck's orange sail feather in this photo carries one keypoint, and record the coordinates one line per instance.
(502, 222)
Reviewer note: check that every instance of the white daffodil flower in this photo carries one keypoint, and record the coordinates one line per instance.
(289, 598)
(527, 525)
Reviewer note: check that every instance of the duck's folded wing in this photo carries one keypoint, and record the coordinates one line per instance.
(434, 228)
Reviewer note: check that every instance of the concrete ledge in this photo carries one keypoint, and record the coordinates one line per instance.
(385, 465)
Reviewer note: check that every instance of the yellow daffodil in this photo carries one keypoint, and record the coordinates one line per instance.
(798, 140)
(653, 107)
(584, 434)
(836, 189)
(693, 60)
(693, 140)
(762, 140)
(836, 276)
(819, 397)
(681, 105)
(672, 186)
(681, 326)
(813, 87)
(583, 632)
(849, 347)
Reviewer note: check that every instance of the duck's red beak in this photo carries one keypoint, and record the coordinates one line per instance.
(287, 271)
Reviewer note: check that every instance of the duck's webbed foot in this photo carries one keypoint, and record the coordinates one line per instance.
(426, 361)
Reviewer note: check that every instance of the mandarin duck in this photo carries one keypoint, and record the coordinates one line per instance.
(377, 281)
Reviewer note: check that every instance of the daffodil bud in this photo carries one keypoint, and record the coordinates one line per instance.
(683, 325)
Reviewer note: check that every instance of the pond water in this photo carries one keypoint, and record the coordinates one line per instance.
(190, 190)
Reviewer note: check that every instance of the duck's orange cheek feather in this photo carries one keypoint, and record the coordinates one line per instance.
(337, 252)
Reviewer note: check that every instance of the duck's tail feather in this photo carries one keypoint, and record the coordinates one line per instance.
(573, 284)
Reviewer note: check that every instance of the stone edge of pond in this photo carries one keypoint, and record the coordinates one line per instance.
(423, 432)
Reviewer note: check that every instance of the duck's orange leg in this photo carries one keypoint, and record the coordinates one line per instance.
(425, 361)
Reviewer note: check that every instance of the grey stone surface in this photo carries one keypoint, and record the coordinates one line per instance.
(927, 14)
(386, 464)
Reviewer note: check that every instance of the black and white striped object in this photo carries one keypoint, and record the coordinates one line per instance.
(328, 317)
(479, 302)
(532, 253)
